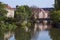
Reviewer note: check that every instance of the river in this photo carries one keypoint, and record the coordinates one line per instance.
(21, 34)
(52, 34)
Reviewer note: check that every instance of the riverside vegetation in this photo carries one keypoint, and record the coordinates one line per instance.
(22, 19)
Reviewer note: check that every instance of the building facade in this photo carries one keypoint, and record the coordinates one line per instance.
(10, 11)
(42, 18)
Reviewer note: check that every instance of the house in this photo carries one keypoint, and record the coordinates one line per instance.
(39, 13)
(10, 11)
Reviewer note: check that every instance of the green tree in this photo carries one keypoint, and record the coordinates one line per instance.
(5, 23)
(3, 12)
(23, 13)
(55, 16)
(57, 4)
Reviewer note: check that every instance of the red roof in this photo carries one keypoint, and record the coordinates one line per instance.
(10, 8)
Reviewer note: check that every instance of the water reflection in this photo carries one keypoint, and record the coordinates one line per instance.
(52, 34)
(55, 34)
(12, 38)
(21, 34)
(1, 36)
(41, 35)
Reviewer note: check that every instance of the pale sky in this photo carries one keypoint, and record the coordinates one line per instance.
(38, 3)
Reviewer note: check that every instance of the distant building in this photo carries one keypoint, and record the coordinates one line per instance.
(10, 11)
(37, 12)
(41, 12)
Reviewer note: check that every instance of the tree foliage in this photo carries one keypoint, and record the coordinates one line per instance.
(3, 12)
(23, 13)
(55, 16)
(5, 23)
(57, 4)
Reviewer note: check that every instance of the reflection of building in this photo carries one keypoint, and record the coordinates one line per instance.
(10, 11)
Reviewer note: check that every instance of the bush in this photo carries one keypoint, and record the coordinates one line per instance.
(55, 16)
(4, 27)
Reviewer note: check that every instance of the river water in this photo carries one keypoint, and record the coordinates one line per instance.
(40, 35)
(21, 34)
(52, 34)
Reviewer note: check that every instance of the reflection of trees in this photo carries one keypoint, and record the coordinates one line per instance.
(1, 35)
(20, 34)
(55, 34)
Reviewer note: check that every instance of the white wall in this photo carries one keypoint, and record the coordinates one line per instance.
(41, 14)
(10, 13)
(46, 15)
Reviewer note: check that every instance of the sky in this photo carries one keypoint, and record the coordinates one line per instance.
(38, 3)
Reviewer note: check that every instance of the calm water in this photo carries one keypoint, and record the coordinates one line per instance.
(42, 35)
(53, 34)
(21, 34)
